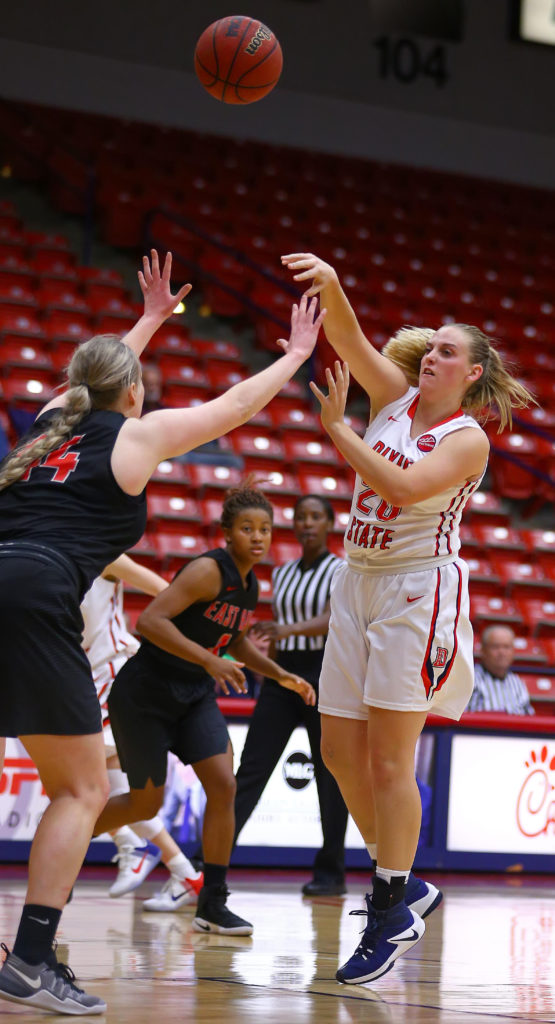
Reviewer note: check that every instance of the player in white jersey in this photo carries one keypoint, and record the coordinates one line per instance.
(400, 640)
(108, 644)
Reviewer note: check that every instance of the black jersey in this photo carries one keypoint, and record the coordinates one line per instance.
(70, 500)
(212, 624)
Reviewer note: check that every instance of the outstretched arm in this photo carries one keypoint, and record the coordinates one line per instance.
(136, 575)
(163, 434)
(380, 378)
(158, 299)
(461, 456)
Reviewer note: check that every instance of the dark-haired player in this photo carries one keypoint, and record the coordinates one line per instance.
(164, 697)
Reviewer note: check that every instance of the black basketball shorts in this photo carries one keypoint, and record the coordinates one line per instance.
(152, 713)
(46, 681)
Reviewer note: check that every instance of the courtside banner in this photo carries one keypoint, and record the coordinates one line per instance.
(22, 798)
(287, 814)
(502, 795)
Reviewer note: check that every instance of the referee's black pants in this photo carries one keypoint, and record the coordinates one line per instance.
(277, 713)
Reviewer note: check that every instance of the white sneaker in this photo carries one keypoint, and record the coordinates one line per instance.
(176, 895)
(134, 864)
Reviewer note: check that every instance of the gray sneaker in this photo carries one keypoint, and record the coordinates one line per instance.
(46, 986)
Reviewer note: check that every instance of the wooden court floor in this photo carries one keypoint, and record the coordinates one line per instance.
(488, 955)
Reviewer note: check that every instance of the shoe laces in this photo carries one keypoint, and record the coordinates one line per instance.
(124, 857)
(375, 920)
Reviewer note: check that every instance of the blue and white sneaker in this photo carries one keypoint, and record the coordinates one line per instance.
(388, 934)
(134, 864)
(421, 897)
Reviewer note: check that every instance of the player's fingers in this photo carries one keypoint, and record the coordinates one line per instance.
(146, 270)
(167, 268)
(316, 391)
(155, 263)
(183, 292)
(142, 282)
(297, 256)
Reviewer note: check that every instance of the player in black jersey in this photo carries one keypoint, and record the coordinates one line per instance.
(164, 697)
(72, 499)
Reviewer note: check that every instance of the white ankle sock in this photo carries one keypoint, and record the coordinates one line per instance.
(388, 873)
(181, 867)
(125, 838)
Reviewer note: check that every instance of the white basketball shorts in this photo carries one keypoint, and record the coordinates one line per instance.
(401, 642)
(104, 677)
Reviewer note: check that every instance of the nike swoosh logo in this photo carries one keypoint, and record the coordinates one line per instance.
(205, 927)
(411, 599)
(393, 418)
(227, 589)
(406, 938)
(140, 864)
(39, 920)
(32, 982)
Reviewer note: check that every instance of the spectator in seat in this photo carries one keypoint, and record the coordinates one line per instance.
(496, 688)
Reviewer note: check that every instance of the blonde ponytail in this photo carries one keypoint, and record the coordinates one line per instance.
(98, 372)
(496, 388)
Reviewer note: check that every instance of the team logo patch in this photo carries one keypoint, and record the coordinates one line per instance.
(441, 657)
(426, 443)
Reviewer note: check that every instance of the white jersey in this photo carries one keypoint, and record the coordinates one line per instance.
(106, 636)
(383, 539)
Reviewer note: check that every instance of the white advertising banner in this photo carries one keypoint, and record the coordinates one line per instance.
(502, 795)
(22, 798)
(287, 813)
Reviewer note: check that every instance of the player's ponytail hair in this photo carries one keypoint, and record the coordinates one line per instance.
(496, 387)
(245, 495)
(99, 370)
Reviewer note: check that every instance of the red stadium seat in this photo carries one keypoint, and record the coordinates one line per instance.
(30, 354)
(503, 541)
(542, 691)
(490, 611)
(483, 577)
(291, 420)
(510, 479)
(171, 511)
(213, 481)
(32, 387)
(530, 652)
(178, 548)
(539, 615)
(307, 451)
(330, 484)
(284, 551)
(171, 473)
(486, 507)
(182, 369)
(521, 579)
(257, 448)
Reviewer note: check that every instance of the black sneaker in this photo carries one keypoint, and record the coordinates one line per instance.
(214, 916)
(324, 887)
(46, 986)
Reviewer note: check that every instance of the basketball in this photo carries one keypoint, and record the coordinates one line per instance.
(238, 60)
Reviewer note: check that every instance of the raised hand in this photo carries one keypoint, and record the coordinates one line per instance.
(155, 286)
(269, 629)
(300, 686)
(310, 268)
(332, 405)
(304, 328)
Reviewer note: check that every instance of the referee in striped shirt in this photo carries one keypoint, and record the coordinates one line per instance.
(496, 688)
(301, 594)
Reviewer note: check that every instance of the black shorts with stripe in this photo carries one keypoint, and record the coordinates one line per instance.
(47, 686)
(152, 711)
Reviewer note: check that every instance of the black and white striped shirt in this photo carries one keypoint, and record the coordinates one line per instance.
(301, 594)
(493, 694)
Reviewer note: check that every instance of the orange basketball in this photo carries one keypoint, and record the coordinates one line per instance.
(238, 59)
